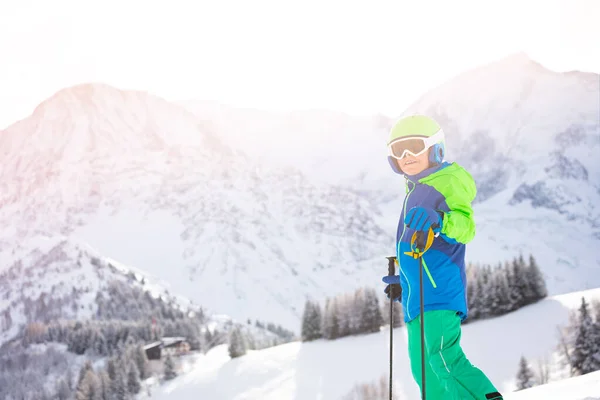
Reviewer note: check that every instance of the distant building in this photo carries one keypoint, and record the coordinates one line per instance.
(175, 346)
(153, 350)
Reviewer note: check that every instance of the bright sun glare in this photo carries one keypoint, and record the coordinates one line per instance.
(368, 58)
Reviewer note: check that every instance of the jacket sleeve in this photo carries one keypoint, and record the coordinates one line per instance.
(458, 224)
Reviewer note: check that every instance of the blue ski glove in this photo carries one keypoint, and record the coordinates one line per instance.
(393, 289)
(421, 219)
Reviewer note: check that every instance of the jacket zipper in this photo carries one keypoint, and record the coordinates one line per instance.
(428, 273)
(400, 241)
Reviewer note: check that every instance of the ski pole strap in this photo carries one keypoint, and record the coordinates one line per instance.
(416, 252)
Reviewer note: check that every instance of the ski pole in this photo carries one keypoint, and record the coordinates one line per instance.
(420, 246)
(422, 326)
(391, 272)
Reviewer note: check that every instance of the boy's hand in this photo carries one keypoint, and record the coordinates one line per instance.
(421, 219)
(393, 289)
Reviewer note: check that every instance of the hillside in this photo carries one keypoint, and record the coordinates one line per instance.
(330, 369)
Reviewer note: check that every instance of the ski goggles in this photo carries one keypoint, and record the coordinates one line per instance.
(414, 145)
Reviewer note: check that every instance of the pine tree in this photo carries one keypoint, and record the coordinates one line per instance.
(487, 302)
(357, 322)
(105, 386)
(311, 321)
(528, 285)
(317, 317)
(516, 285)
(237, 344)
(470, 274)
(87, 366)
(118, 386)
(169, 368)
(63, 392)
(585, 357)
(371, 312)
(502, 291)
(99, 343)
(536, 280)
(475, 299)
(507, 279)
(494, 302)
(89, 386)
(525, 377)
(133, 379)
(343, 309)
(141, 361)
(331, 320)
(111, 368)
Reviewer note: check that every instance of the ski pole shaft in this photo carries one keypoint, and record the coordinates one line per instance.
(423, 245)
(422, 329)
(391, 272)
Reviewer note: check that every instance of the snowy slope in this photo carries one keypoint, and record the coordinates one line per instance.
(586, 387)
(330, 369)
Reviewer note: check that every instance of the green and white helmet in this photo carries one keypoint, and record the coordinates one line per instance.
(415, 134)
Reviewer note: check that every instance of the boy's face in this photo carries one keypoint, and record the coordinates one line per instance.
(412, 165)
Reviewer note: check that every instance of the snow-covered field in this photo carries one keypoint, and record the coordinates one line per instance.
(328, 370)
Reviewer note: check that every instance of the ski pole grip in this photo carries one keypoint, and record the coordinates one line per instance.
(391, 265)
(420, 240)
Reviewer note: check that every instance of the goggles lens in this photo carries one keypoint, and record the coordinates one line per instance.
(415, 146)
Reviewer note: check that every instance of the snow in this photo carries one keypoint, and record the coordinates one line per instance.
(586, 387)
(329, 369)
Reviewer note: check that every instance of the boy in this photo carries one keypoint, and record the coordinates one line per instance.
(439, 196)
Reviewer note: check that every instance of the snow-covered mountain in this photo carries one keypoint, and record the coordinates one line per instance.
(531, 139)
(144, 182)
(54, 278)
(529, 136)
(248, 213)
(507, 121)
(325, 369)
(516, 124)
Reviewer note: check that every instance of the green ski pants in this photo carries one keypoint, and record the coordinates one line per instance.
(448, 373)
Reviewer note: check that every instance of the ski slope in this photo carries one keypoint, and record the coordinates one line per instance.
(328, 370)
(586, 387)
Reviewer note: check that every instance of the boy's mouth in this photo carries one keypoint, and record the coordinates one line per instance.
(410, 162)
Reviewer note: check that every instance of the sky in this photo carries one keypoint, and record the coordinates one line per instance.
(359, 57)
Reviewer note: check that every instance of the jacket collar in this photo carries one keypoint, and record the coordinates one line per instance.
(427, 172)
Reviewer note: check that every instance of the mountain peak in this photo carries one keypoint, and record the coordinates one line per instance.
(98, 130)
(87, 98)
(518, 58)
(99, 115)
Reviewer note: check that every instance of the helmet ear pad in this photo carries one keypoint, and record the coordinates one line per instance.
(437, 153)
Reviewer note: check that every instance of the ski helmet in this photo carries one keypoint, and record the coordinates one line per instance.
(418, 126)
